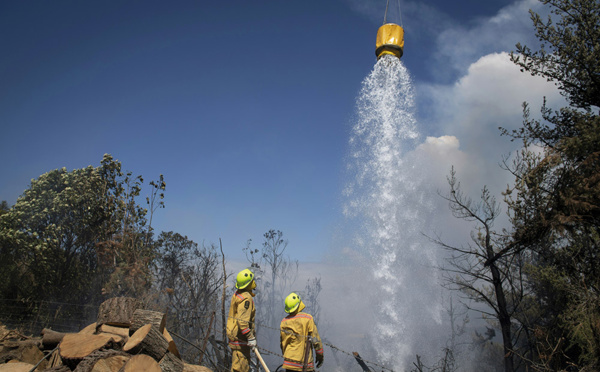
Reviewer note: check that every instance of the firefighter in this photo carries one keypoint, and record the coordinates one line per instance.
(298, 337)
(240, 324)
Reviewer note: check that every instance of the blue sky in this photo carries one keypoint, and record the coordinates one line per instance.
(246, 106)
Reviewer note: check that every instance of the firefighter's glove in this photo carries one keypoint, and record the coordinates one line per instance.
(252, 343)
(319, 360)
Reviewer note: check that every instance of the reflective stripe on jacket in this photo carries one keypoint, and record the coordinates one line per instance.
(240, 324)
(294, 331)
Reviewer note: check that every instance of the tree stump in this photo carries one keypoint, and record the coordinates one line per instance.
(141, 362)
(147, 340)
(171, 363)
(75, 346)
(103, 361)
(172, 347)
(117, 311)
(195, 368)
(142, 317)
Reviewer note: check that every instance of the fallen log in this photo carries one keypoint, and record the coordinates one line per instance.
(142, 317)
(147, 340)
(74, 347)
(171, 363)
(117, 311)
(103, 361)
(141, 362)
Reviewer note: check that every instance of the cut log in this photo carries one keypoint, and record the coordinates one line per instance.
(16, 367)
(195, 368)
(26, 351)
(142, 317)
(74, 347)
(141, 362)
(89, 330)
(172, 346)
(116, 338)
(103, 361)
(147, 340)
(117, 311)
(171, 363)
(121, 331)
(111, 364)
(51, 339)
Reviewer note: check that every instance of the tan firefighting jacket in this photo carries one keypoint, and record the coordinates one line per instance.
(294, 329)
(240, 324)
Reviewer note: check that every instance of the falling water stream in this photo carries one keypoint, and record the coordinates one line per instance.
(390, 200)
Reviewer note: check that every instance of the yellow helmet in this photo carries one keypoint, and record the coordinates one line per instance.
(244, 279)
(293, 303)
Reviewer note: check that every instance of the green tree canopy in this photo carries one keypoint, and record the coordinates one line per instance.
(72, 232)
(555, 202)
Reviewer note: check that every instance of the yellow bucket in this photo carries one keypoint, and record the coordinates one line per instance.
(390, 40)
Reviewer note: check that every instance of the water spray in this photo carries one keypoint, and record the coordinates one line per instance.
(389, 202)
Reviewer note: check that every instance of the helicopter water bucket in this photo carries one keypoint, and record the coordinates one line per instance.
(390, 40)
